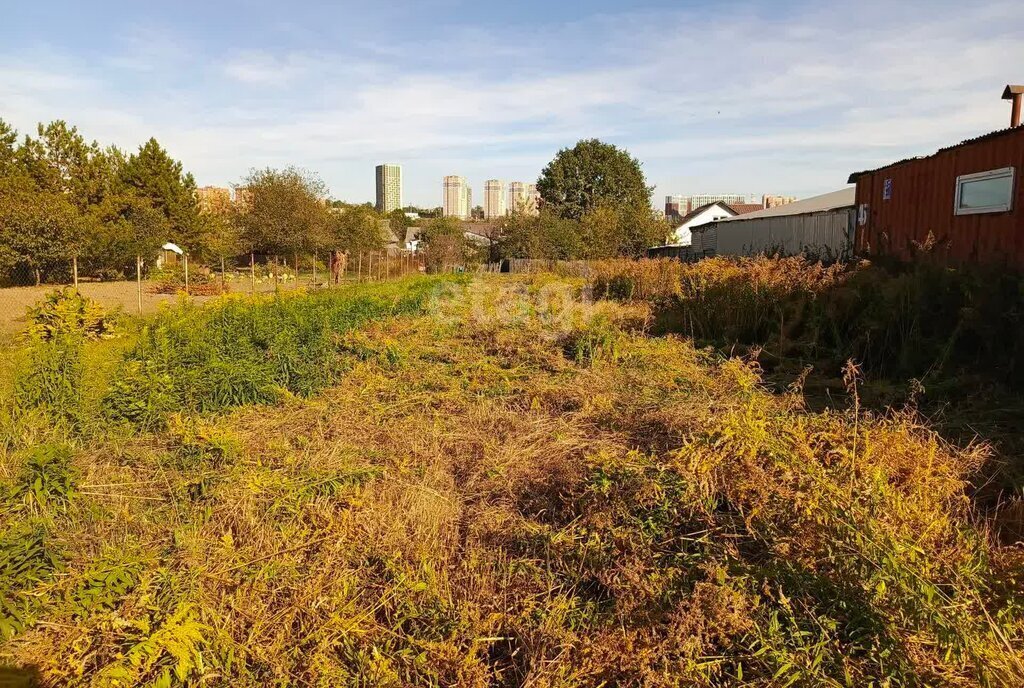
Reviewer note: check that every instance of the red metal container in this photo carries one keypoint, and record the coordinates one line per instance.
(901, 205)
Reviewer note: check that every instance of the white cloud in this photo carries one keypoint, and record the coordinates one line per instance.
(755, 103)
(263, 69)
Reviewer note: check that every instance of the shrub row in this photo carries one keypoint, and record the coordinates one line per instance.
(236, 351)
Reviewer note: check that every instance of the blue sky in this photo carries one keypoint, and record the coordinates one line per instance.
(712, 97)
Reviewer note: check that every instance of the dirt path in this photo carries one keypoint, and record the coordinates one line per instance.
(15, 301)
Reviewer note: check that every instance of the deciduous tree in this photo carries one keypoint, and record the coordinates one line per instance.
(358, 228)
(38, 230)
(593, 174)
(283, 211)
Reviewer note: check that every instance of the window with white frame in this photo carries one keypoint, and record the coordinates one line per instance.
(984, 192)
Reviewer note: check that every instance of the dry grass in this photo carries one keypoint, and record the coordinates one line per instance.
(519, 488)
(922, 321)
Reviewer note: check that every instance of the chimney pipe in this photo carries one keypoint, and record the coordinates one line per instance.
(1014, 93)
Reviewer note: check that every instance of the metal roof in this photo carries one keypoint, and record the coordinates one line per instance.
(843, 198)
(745, 208)
(697, 211)
(965, 142)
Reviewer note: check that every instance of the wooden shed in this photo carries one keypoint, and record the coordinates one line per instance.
(965, 203)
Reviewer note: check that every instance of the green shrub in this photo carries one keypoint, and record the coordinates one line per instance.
(47, 481)
(65, 311)
(141, 394)
(104, 584)
(52, 380)
(202, 444)
(242, 351)
(27, 559)
(598, 340)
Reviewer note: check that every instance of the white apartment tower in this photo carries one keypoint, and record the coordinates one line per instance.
(687, 204)
(523, 198)
(389, 187)
(457, 197)
(494, 199)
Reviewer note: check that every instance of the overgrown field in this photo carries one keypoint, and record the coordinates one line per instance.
(495, 483)
(919, 321)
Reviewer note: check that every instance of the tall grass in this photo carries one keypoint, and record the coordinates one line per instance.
(911, 322)
(517, 488)
(235, 351)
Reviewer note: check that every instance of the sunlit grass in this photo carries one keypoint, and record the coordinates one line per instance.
(512, 486)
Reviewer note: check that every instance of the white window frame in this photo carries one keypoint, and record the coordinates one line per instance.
(978, 176)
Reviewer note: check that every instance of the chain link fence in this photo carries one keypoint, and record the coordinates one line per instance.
(143, 287)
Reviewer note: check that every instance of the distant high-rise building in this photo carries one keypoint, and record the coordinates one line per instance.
(674, 206)
(681, 205)
(516, 197)
(213, 198)
(241, 196)
(389, 187)
(697, 200)
(457, 197)
(532, 199)
(494, 199)
(768, 201)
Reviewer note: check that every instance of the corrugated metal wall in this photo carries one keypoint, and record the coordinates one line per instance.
(825, 235)
(703, 240)
(922, 198)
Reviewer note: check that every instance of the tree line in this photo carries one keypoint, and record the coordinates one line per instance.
(64, 199)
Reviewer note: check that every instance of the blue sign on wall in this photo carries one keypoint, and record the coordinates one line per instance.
(887, 190)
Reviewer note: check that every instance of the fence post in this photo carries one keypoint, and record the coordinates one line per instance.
(186, 275)
(252, 272)
(296, 270)
(312, 287)
(223, 280)
(359, 268)
(138, 280)
(74, 271)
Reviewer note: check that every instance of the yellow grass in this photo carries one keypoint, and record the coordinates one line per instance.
(522, 488)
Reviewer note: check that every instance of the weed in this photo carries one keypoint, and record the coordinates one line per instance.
(104, 585)
(66, 311)
(47, 482)
(142, 394)
(27, 559)
(515, 487)
(52, 381)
